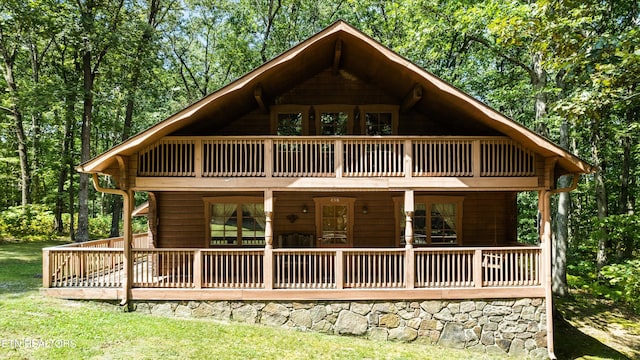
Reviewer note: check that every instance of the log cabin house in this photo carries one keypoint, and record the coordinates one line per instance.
(338, 171)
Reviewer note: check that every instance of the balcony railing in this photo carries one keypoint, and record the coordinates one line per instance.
(303, 269)
(353, 156)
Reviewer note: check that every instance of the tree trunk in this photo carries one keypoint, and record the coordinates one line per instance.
(8, 62)
(539, 82)
(560, 246)
(82, 233)
(601, 194)
(67, 158)
(624, 249)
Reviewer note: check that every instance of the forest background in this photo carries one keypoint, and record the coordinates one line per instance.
(80, 76)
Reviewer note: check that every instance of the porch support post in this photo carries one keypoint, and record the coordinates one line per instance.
(338, 158)
(544, 205)
(408, 210)
(477, 268)
(46, 269)
(408, 158)
(476, 158)
(268, 213)
(409, 267)
(128, 238)
(267, 271)
(339, 266)
(197, 269)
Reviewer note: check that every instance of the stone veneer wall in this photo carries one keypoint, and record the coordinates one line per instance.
(514, 327)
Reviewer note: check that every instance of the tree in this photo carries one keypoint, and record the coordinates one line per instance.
(12, 29)
(98, 26)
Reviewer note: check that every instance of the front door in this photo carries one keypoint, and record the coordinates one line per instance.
(334, 221)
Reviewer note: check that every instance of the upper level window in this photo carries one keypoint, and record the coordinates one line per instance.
(235, 221)
(437, 220)
(289, 124)
(289, 120)
(379, 120)
(329, 120)
(333, 123)
(378, 123)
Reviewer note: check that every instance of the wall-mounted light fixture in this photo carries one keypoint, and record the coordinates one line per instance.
(365, 210)
(304, 209)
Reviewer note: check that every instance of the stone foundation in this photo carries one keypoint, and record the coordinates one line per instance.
(514, 327)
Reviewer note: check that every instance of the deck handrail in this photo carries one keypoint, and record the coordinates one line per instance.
(335, 156)
(313, 269)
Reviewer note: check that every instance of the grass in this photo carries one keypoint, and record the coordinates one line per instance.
(36, 327)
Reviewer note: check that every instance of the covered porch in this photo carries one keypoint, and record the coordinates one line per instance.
(103, 269)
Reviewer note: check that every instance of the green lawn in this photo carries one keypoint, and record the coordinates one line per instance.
(36, 327)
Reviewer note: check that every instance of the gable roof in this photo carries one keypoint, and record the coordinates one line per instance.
(366, 59)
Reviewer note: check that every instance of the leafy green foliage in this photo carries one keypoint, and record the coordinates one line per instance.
(36, 223)
(624, 279)
(622, 231)
(31, 222)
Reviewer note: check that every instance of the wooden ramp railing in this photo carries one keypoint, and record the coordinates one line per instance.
(348, 156)
(313, 269)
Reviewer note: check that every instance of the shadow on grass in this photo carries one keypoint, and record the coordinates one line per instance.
(571, 343)
(21, 265)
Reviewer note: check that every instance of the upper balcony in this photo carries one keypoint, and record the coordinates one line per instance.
(320, 161)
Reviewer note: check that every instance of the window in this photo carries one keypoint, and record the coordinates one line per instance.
(289, 120)
(334, 221)
(378, 123)
(289, 124)
(379, 120)
(333, 123)
(235, 221)
(437, 220)
(334, 119)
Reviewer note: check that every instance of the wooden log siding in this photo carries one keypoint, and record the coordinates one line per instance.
(335, 157)
(312, 269)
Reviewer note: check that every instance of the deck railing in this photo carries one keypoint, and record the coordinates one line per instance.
(348, 156)
(313, 269)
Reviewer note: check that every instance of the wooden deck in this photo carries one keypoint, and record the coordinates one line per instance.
(91, 271)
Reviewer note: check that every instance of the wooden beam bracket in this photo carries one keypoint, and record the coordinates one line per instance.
(337, 54)
(411, 98)
(260, 99)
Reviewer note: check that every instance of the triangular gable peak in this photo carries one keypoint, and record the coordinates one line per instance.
(343, 51)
